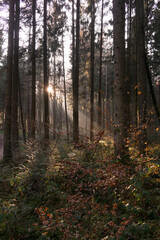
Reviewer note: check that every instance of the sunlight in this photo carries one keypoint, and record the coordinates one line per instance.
(50, 90)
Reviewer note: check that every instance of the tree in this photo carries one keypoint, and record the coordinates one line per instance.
(33, 106)
(15, 84)
(65, 96)
(119, 77)
(141, 75)
(100, 72)
(76, 80)
(45, 66)
(128, 69)
(92, 67)
(7, 152)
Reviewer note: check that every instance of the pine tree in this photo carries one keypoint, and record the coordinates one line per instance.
(119, 78)
(45, 66)
(76, 80)
(141, 75)
(15, 84)
(7, 152)
(33, 105)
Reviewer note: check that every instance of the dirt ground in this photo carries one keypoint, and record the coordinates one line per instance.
(1, 147)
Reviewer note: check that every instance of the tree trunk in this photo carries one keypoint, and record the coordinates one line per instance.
(141, 75)
(33, 106)
(15, 84)
(128, 75)
(7, 152)
(65, 97)
(54, 100)
(76, 81)
(120, 148)
(100, 74)
(45, 65)
(92, 68)
(21, 111)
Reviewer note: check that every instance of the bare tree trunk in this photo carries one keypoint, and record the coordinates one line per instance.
(141, 75)
(128, 75)
(76, 81)
(54, 100)
(33, 106)
(92, 68)
(65, 97)
(45, 65)
(7, 152)
(100, 74)
(15, 84)
(119, 78)
(21, 110)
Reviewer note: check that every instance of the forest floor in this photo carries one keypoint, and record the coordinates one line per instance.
(83, 194)
(1, 147)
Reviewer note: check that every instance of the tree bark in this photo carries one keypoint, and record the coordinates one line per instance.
(100, 74)
(128, 75)
(45, 66)
(76, 81)
(54, 100)
(7, 152)
(141, 75)
(15, 84)
(65, 97)
(21, 111)
(92, 68)
(120, 147)
(33, 106)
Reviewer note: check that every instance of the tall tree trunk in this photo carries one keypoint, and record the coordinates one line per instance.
(7, 151)
(141, 75)
(15, 84)
(100, 73)
(21, 111)
(119, 78)
(54, 100)
(29, 88)
(76, 81)
(28, 109)
(65, 97)
(92, 68)
(128, 75)
(45, 65)
(33, 106)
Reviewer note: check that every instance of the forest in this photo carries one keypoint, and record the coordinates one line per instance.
(79, 119)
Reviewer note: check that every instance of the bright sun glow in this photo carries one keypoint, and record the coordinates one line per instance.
(50, 90)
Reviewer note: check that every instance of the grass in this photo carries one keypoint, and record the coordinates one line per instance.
(82, 193)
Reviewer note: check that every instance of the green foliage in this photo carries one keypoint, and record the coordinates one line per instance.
(82, 193)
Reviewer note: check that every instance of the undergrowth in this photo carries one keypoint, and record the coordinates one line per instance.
(82, 193)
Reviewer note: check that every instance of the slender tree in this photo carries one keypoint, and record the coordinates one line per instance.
(119, 77)
(22, 112)
(15, 84)
(92, 67)
(33, 105)
(45, 65)
(76, 80)
(100, 72)
(128, 71)
(65, 94)
(7, 126)
(141, 75)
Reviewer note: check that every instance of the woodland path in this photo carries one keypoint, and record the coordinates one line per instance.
(1, 146)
